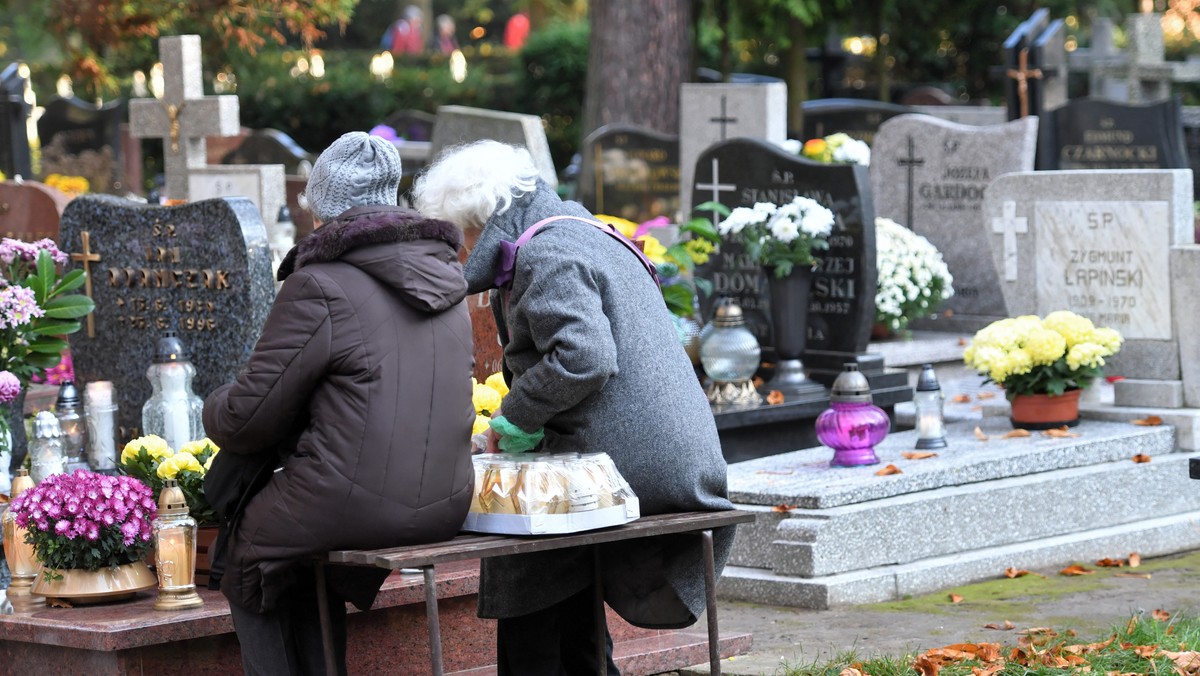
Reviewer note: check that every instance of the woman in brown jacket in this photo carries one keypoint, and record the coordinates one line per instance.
(361, 384)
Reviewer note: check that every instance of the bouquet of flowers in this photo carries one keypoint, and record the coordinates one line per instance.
(675, 263)
(913, 279)
(152, 460)
(837, 148)
(487, 397)
(1028, 355)
(86, 520)
(780, 237)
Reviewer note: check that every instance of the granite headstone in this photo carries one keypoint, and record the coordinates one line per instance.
(202, 269)
(858, 118)
(461, 124)
(1098, 134)
(931, 176)
(30, 210)
(15, 158)
(81, 139)
(631, 172)
(841, 303)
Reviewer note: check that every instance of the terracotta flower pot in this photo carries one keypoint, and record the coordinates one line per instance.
(1043, 411)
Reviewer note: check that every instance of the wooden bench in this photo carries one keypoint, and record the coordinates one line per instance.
(471, 546)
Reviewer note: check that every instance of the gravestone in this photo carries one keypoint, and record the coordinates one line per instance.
(1148, 75)
(460, 124)
(15, 159)
(30, 210)
(202, 269)
(271, 146)
(857, 118)
(931, 176)
(1035, 74)
(412, 125)
(262, 184)
(710, 113)
(1097, 134)
(1098, 243)
(81, 139)
(631, 172)
(841, 303)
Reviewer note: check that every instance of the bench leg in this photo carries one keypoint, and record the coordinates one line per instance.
(601, 621)
(431, 616)
(331, 667)
(710, 596)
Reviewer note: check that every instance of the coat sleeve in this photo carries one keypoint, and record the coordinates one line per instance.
(564, 309)
(255, 412)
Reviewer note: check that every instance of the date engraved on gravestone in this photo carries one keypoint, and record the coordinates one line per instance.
(1106, 261)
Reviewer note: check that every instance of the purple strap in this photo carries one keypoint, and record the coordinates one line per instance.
(508, 250)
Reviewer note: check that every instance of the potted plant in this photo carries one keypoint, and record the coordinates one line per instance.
(1042, 364)
(90, 532)
(913, 280)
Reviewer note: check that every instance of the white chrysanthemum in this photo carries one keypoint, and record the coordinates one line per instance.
(784, 229)
(792, 145)
(852, 151)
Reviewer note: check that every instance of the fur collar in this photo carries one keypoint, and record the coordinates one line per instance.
(364, 226)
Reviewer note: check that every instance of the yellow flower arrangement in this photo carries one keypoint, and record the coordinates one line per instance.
(71, 185)
(152, 460)
(1028, 355)
(486, 397)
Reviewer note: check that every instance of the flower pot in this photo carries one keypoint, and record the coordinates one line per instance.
(1044, 411)
(789, 332)
(96, 586)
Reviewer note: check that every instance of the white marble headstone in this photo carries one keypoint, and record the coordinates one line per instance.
(263, 184)
(461, 124)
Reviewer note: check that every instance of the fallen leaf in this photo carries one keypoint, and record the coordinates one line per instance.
(1076, 570)
(757, 382)
(1148, 421)
(1141, 457)
(1084, 648)
(980, 435)
(985, 395)
(918, 455)
(960, 399)
(1144, 576)
(989, 670)
(850, 671)
(1060, 433)
(1001, 627)
(1017, 433)
(948, 313)
(1160, 615)
(951, 653)
(1110, 563)
(925, 666)
(962, 342)
(1187, 662)
(783, 508)
(1013, 572)
(1135, 560)
(955, 598)
(58, 603)
(1129, 627)
(775, 397)
(890, 469)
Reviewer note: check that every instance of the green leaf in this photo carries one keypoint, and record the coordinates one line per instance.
(55, 328)
(69, 282)
(48, 345)
(45, 267)
(42, 361)
(678, 298)
(69, 307)
(714, 206)
(704, 286)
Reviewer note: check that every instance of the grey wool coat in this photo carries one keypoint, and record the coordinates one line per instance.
(592, 355)
(362, 382)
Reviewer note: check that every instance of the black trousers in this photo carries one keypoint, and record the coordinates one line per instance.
(557, 641)
(287, 640)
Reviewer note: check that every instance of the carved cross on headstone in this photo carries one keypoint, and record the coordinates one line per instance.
(184, 116)
(1023, 74)
(723, 119)
(86, 258)
(717, 187)
(910, 162)
(1010, 226)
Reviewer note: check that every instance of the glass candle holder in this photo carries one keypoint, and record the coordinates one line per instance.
(69, 410)
(929, 403)
(100, 409)
(852, 425)
(730, 355)
(46, 455)
(174, 532)
(173, 412)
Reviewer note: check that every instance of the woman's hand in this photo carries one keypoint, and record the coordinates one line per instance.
(493, 438)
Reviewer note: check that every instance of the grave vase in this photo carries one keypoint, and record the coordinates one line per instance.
(1044, 411)
(789, 322)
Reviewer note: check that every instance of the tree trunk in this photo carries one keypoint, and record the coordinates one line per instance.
(636, 63)
(796, 74)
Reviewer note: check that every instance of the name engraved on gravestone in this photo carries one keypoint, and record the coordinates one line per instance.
(1107, 261)
(1095, 134)
(202, 269)
(630, 172)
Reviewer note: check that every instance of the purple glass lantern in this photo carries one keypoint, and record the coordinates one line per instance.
(852, 425)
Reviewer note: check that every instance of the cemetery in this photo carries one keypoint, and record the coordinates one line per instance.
(939, 312)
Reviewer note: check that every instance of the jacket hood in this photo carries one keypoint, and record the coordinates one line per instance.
(484, 260)
(416, 256)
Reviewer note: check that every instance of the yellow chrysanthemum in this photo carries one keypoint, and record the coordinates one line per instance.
(187, 461)
(481, 425)
(167, 469)
(1073, 327)
(1109, 339)
(485, 399)
(625, 227)
(156, 447)
(197, 447)
(496, 382)
(1044, 346)
(699, 250)
(654, 250)
(1086, 354)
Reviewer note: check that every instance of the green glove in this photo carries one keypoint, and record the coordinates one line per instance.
(513, 439)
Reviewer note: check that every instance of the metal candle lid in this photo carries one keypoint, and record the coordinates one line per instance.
(171, 500)
(45, 426)
(927, 381)
(851, 387)
(68, 394)
(728, 314)
(170, 349)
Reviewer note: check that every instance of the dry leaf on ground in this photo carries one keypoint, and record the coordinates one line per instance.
(1148, 421)
(1017, 433)
(1076, 570)
(783, 508)
(775, 397)
(58, 603)
(1141, 457)
(890, 469)
(757, 382)
(989, 670)
(962, 342)
(1144, 651)
(1060, 433)
(1003, 627)
(918, 455)
(1144, 576)
(1014, 572)
(925, 666)
(985, 395)
(1084, 648)
(960, 399)
(955, 598)
(1110, 563)
(1129, 627)
(850, 671)
(979, 434)
(1135, 559)
(1160, 615)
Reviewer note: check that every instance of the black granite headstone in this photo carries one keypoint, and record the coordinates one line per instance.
(1098, 134)
(80, 139)
(270, 146)
(202, 269)
(412, 125)
(630, 172)
(14, 116)
(841, 306)
(857, 118)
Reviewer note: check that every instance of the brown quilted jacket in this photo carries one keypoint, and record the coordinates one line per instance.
(361, 381)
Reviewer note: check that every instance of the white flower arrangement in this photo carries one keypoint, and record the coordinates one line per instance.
(780, 237)
(913, 280)
(837, 148)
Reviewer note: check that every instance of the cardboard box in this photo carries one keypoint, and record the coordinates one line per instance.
(553, 524)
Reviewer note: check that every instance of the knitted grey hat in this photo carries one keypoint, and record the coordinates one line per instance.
(357, 170)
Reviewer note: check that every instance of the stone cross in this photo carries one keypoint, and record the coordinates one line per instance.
(910, 162)
(1010, 226)
(723, 119)
(184, 116)
(1022, 74)
(717, 187)
(86, 258)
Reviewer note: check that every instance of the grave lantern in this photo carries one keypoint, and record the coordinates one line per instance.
(69, 410)
(22, 562)
(852, 425)
(175, 551)
(928, 400)
(730, 354)
(173, 412)
(46, 447)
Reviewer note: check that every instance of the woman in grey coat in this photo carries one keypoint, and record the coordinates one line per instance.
(594, 365)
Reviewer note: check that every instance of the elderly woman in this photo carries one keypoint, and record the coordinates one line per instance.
(594, 365)
(361, 383)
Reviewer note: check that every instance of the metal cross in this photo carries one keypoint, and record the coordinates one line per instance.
(723, 119)
(1023, 74)
(85, 259)
(911, 163)
(1010, 226)
(716, 187)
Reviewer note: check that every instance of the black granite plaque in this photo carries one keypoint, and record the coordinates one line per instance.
(270, 146)
(841, 305)
(631, 172)
(202, 269)
(859, 119)
(80, 139)
(1099, 134)
(14, 116)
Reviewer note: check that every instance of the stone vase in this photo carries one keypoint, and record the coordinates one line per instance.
(789, 322)
(95, 586)
(1044, 411)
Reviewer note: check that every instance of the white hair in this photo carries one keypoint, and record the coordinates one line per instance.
(467, 184)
